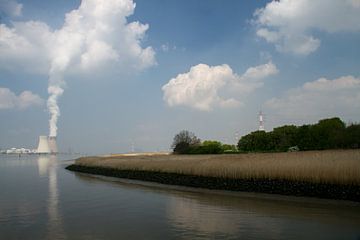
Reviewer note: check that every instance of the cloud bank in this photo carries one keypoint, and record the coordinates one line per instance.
(322, 97)
(9, 100)
(290, 24)
(206, 87)
(94, 36)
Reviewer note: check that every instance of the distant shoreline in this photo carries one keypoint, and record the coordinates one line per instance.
(262, 173)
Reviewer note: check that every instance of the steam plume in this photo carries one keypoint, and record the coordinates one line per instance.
(96, 36)
(56, 86)
(55, 92)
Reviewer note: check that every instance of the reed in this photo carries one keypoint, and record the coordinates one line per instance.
(330, 166)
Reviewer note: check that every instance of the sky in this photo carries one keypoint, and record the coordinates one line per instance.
(113, 76)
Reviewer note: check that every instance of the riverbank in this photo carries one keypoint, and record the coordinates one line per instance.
(325, 174)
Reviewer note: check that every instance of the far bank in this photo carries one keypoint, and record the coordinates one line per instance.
(333, 174)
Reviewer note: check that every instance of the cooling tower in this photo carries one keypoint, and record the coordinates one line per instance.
(52, 145)
(43, 145)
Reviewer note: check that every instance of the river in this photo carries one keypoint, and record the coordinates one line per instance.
(39, 199)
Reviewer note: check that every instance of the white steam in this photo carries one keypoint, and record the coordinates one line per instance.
(94, 37)
(55, 92)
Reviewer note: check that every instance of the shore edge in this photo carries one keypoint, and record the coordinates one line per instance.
(283, 187)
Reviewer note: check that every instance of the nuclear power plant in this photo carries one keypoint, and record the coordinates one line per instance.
(53, 145)
(47, 145)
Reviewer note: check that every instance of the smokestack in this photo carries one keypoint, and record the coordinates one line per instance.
(43, 146)
(53, 145)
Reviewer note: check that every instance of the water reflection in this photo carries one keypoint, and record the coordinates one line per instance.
(259, 216)
(14, 160)
(204, 214)
(220, 218)
(191, 215)
(41, 200)
(47, 166)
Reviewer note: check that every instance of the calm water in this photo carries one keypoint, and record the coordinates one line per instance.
(41, 200)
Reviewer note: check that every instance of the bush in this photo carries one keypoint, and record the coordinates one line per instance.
(227, 148)
(207, 147)
(212, 147)
(187, 143)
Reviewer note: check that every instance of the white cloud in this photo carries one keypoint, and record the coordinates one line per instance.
(9, 100)
(270, 36)
(322, 97)
(289, 23)
(25, 46)
(94, 37)
(11, 8)
(260, 72)
(200, 87)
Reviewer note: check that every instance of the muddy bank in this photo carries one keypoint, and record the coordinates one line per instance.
(284, 187)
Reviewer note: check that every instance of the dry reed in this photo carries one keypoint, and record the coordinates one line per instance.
(331, 166)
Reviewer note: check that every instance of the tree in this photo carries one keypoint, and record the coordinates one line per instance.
(352, 137)
(258, 141)
(304, 139)
(328, 133)
(182, 148)
(183, 141)
(284, 137)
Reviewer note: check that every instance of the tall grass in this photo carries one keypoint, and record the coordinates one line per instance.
(331, 166)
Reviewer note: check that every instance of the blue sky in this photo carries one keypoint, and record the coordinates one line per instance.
(204, 66)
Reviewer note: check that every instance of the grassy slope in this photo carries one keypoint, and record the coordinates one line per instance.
(330, 166)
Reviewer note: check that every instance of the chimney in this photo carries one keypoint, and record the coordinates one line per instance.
(53, 145)
(43, 146)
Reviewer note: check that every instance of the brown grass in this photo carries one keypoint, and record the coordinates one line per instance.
(331, 166)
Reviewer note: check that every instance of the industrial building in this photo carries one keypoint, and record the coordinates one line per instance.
(47, 145)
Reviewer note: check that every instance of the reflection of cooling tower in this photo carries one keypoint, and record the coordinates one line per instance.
(52, 145)
(43, 145)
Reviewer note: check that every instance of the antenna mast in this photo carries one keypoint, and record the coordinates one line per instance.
(261, 122)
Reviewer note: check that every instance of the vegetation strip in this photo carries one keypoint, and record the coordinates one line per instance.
(331, 133)
(284, 187)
